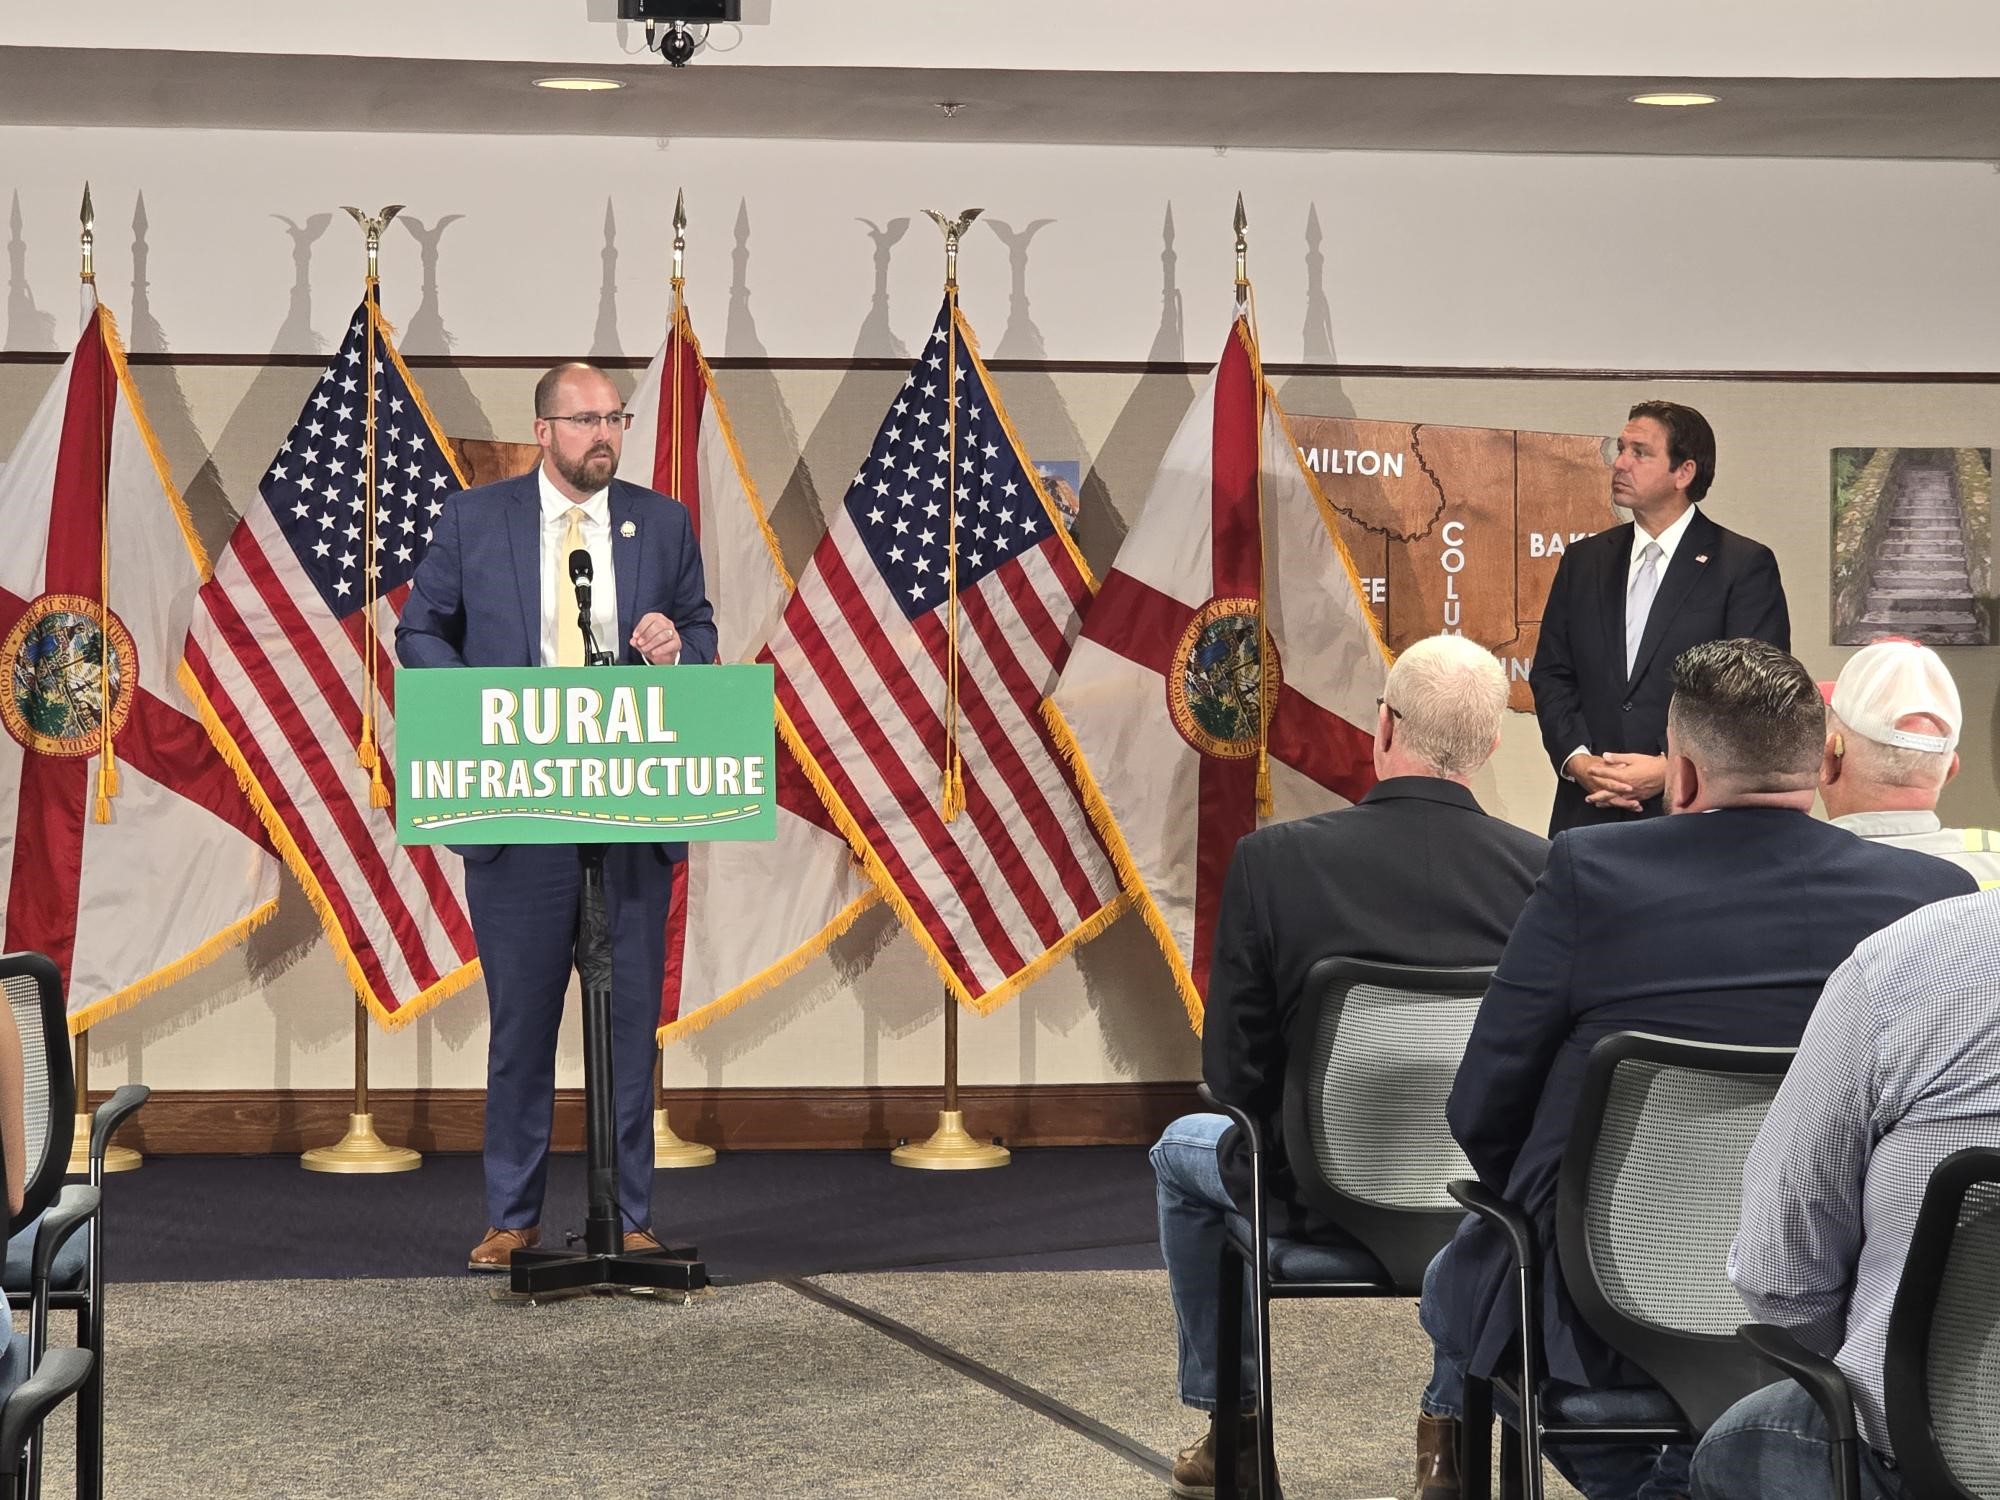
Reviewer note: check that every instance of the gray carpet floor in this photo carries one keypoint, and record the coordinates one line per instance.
(429, 1389)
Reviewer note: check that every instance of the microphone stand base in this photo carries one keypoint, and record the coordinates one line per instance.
(553, 1273)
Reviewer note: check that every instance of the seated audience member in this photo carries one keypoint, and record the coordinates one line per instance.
(1414, 873)
(1891, 745)
(1718, 928)
(1899, 1068)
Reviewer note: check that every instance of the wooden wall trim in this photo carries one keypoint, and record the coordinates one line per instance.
(256, 1122)
(846, 363)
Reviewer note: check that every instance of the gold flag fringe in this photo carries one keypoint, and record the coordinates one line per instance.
(891, 893)
(180, 968)
(1106, 824)
(295, 861)
(783, 969)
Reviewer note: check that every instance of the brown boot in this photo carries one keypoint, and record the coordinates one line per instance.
(1194, 1465)
(1437, 1458)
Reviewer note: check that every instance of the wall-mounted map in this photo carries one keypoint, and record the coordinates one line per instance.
(1459, 528)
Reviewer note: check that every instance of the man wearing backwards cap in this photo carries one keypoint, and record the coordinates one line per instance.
(1891, 745)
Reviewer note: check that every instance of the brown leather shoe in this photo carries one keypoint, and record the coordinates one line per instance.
(641, 1241)
(1194, 1465)
(496, 1251)
(1437, 1458)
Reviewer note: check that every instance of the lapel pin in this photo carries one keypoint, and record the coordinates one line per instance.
(629, 530)
(1700, 557)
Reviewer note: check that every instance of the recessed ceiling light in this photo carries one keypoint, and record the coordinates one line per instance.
(579, 85)
(1674, 100)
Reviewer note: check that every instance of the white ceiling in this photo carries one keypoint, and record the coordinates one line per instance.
(1575, 38)
(1946, 119)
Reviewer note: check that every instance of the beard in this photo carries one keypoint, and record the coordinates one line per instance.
(591, 472)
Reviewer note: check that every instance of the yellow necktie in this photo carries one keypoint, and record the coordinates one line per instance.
(569, 634)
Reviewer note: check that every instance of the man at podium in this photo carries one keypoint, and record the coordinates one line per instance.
(498, 588)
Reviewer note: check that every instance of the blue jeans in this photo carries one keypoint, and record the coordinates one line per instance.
(1193, 1203)
(1775, 1442)
(1603, 1471)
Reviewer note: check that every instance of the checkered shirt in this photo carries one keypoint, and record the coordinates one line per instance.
(1899, 1068)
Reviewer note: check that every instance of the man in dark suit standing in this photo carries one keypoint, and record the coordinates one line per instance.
(1626, 602)
(494, 590)
(1720, 928)
(1414, 873)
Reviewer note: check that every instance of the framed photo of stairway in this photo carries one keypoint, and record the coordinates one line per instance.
(1913, 545)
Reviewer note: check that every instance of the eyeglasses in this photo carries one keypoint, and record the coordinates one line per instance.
(1394, 713)
(590, 421)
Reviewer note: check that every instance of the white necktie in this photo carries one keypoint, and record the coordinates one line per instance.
(569, 633)
(1639, 602)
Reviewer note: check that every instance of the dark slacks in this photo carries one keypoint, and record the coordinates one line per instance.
(524, 916)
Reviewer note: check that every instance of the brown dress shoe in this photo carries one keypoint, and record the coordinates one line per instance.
(496, 1251)
(641, 1241)
(1194, 1465)
(1437, 1458)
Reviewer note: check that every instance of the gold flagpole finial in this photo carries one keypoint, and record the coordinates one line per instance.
(680, 237)
(1242, 246)
(89, 218)
(372, 226)
(954, 230)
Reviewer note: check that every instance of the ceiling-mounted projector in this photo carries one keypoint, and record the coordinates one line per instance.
(694, 11)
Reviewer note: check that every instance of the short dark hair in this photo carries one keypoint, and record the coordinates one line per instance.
(1746, 711)
(545, 388)
(1688, 437)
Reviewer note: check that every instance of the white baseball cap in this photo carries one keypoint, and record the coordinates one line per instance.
(1890, 680)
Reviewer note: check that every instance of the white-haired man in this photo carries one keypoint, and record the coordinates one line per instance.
(1891, 745)
(1414, 873)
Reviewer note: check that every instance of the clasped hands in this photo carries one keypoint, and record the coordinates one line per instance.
(1618, 779)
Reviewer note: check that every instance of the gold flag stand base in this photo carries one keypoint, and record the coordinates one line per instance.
(950, 1149)
(669, 1150)
(361, 1150)
(116, 1158)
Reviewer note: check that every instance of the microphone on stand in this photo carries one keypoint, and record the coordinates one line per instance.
(581, 571)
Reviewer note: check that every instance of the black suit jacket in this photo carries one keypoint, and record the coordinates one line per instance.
(1414, 873)
(1719, 927)
(1717, 587)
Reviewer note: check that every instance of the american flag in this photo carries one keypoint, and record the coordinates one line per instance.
(279, 652)
(864, 653)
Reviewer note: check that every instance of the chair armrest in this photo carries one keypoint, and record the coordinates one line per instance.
(1820, 1376)
(60, 1375)
(1476, 1198)
(1241, 1118)
(74, 1207)
(113, 1112)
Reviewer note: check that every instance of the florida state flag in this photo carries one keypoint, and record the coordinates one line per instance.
(744, 916)
(130, 854)
(1229, 660)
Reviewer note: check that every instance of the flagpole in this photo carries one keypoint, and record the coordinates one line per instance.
(1246, 298)
(361, 1150)
(669, 1150)
(116, 1158)
(951, 1147)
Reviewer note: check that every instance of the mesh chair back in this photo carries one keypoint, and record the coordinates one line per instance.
(1941, 1372)
(1374, 1053)
(1651, 1194)
(1963, 1369)
(34, 995)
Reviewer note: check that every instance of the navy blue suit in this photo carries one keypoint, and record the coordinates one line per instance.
(476, 601)
(1718, 586)
(1719, 927)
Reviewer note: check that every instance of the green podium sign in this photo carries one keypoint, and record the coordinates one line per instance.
(573, 755)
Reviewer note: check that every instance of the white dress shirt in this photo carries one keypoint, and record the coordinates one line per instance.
(556, 507)
(1668, 540)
